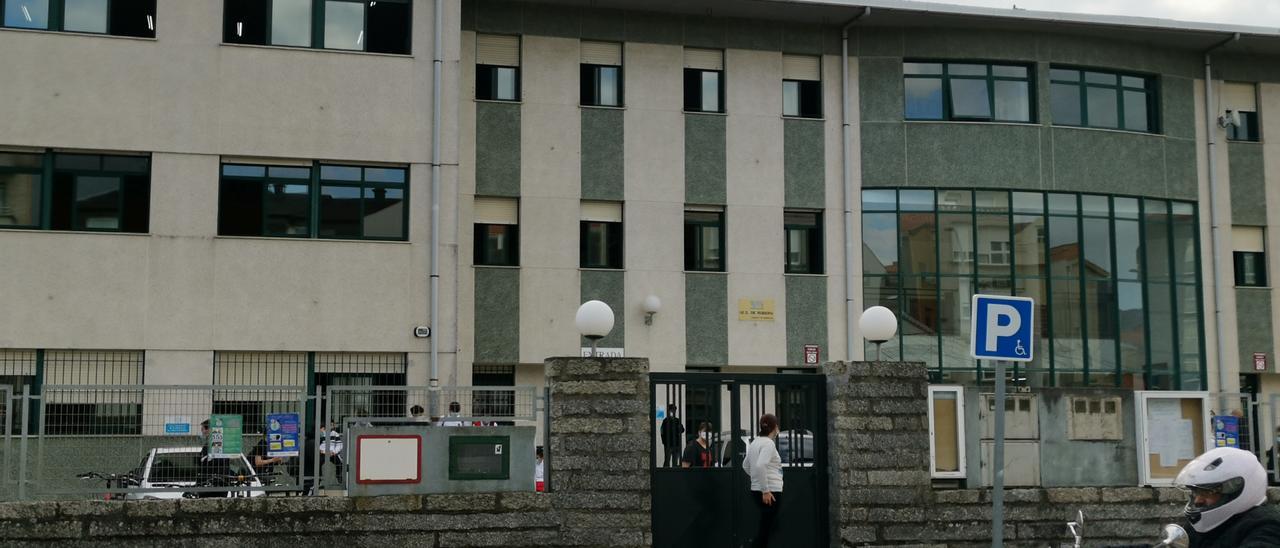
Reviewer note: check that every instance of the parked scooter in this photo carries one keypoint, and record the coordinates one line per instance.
(1171, 536)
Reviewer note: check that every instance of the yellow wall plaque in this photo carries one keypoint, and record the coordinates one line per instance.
(752, 310)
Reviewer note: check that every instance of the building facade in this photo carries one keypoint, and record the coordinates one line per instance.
(241, 192)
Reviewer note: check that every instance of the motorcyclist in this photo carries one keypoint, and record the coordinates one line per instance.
(1226, 501)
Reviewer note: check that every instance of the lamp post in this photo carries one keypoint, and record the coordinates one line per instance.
(594, 321)
(878, 325)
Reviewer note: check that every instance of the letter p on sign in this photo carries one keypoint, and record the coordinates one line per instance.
(1002, 328)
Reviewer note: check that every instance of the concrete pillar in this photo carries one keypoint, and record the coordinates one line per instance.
(599, 457)
(879, 447)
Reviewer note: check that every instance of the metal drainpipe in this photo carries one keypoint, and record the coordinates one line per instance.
(846, 136)
(437, 63)
(1211, 132)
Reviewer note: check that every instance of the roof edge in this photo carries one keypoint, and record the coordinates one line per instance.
(1129, 21)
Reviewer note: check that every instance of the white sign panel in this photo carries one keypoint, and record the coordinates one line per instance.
(602, 352)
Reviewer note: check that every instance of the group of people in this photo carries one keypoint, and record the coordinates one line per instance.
(762, 463)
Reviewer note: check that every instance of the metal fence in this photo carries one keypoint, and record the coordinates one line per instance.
(478, 406)
(8, 478)
(146, 441)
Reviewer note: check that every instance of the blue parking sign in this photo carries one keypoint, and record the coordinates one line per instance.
(1002, 328)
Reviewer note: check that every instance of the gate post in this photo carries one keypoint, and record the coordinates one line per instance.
(879, 449)
(599, 458)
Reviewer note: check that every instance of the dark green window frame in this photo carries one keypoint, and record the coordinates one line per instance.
(694, 99)
(1150, 88)
(612, 236)
(1174, 279)
(810, 232)
(944, 76)
(259, 27)
(135, 18)
(481, 255)
(1250, 268)
(457, 442)
(229, 176)
(1246, 130)
(591, 82)
(694, 221)
(59, 181)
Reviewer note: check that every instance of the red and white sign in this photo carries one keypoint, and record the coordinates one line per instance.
(1260, 361)
(811, 354)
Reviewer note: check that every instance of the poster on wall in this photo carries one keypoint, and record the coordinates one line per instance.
(282, 435)
(225, 436)
(1226, 431)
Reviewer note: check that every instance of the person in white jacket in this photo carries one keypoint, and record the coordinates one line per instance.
(764, 466)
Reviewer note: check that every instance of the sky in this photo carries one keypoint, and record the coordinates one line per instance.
(1260, 13)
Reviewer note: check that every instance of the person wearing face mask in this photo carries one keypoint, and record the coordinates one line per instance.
(1227, 501)
(764, 466)
(698, 454)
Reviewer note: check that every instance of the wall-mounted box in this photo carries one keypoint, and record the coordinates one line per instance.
(1094, 418)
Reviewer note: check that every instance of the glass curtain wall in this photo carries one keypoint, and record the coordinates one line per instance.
(1116, 282)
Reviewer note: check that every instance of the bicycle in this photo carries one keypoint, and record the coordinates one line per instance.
(115, 483)
(240, 481)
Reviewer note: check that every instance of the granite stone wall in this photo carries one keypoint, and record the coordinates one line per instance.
(882, 495)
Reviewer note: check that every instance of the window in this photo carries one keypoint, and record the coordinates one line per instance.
(113, 406)
(1241, 102)
(1114, 279)
(801, 86)
(493, 403)
(1100, 99)
(355, 25)
(703, 80)
(601, 79)
(704, 240)
(91, 192)
(1251, 270)
(601, 235)
(497, 67)
(804, 242)
(310, 201)
(114, 17)
(1250, 257)
(968, 91)
(497, 232)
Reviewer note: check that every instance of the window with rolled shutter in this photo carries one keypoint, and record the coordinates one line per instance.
(703, 80)
(497, 67)
(601, 74)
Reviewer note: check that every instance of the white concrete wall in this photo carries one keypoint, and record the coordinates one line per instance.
(653, 168)
(550, 197)
(835, 240)
(1230, 352)
(754, 196)
(181, 292)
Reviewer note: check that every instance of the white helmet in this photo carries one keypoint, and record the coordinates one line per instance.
(1233, 473)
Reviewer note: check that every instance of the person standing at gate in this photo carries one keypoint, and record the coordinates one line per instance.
(672, 432)
(764, 466)
(698, 453)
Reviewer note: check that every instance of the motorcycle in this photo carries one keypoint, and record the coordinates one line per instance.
(1171, 536)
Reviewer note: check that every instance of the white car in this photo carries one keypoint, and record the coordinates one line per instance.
(801, 455)
(178, 467)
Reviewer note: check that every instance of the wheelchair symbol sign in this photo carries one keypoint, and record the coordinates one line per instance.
(1002, 328)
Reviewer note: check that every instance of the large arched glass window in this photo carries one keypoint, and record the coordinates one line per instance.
(1116, 282)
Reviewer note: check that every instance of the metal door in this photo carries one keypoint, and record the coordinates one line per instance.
(713, 507)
